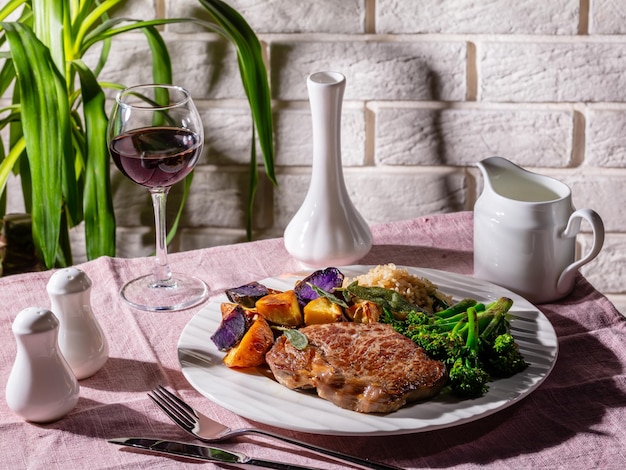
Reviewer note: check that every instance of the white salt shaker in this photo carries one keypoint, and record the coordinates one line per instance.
(81, 339)
(41, 386)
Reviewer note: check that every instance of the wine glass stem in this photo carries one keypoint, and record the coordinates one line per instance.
(162, 271)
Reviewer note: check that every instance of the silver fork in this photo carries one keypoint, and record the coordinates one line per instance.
(207, 430)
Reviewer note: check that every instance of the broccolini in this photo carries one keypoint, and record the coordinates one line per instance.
(471, 338)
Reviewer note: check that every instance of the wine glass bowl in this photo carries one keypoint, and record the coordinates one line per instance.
(155, 137)
(156, 157)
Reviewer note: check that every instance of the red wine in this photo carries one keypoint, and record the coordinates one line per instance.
(156, 156)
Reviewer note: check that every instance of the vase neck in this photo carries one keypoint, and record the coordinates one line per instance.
(326, 91)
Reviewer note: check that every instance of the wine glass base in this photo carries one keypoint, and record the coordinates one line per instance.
(181, 293)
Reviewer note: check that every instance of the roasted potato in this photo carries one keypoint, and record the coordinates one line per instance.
(281, 308)
(326, 279)
(247, 294)
(250, 351)
(322, 310)
(233, 326)
(226, 308)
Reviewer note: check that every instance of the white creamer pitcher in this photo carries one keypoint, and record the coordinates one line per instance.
(525, 229)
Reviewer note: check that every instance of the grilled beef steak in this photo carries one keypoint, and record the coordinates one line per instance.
(362, 367)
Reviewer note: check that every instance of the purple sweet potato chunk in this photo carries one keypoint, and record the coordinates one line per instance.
(326, 279)
(248, 294)
(231, 329)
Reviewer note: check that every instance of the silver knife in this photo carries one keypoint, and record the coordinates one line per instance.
(206, 453)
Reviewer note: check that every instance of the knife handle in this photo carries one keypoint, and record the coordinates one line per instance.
(276, 465)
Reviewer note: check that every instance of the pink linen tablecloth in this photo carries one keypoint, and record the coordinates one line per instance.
(576, 419)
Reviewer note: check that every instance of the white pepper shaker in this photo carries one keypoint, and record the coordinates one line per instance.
(81, 339)
(41, 386)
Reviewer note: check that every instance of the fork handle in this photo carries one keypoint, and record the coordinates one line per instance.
(336, 455)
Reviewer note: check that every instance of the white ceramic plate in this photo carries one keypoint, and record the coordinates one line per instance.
(256, 396)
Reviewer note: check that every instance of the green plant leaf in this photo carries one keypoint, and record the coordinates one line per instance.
(253, 73)
(252, 186)
(7, 76)
(97, 199)
(174, 228)
(107, 29)
(45, 121)
(7, 162)
(48, 27)
(254, 78)
(9, 8)
(161, 63)
(87, 17)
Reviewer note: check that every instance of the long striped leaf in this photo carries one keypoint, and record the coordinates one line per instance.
(7, 76)
(51, 18)
(109, 28)
(88, 18)
(10, 7)
(45, 121)
(48, 27)
(161, 63)
(255, 83)
(253, 74)
(186, 186)
(7, 162)
(253, 181)
(97, 199)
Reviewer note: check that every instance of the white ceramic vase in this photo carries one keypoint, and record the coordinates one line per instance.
(41, 386)
(327, 230)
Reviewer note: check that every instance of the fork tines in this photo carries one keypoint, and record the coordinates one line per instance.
(178, 411)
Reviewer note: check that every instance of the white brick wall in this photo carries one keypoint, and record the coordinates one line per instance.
(432, 87)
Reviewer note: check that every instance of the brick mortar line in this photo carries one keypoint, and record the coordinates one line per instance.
(270, 38)
(587, 171)
(478, 105)
(374, 105)
(562, 172)
(301, 170)
(579, 138)
(444, 37)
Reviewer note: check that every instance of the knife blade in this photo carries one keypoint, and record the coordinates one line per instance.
(200, 452)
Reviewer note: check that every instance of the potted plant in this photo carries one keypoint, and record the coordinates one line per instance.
(56, 121)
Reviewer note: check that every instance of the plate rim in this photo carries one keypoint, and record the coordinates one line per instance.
(191, 361)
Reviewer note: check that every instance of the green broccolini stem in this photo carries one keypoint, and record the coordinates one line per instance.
(451, 320)
(456, 309)
(498, 310)
(472, 333)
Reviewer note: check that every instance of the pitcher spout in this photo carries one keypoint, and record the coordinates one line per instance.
(493, 169)
(515, 183)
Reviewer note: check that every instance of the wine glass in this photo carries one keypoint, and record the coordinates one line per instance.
(155, 137)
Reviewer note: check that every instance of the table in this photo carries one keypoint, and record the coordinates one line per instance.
(575, 419)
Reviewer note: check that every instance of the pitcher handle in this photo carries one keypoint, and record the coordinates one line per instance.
(572, 229)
